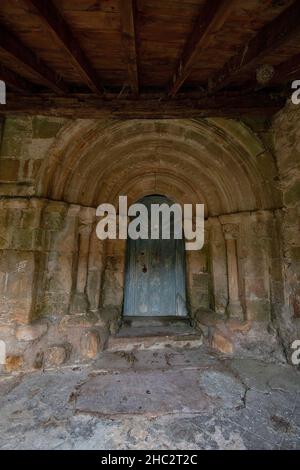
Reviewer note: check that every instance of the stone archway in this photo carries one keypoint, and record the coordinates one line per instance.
(218, 162)
(74, 281)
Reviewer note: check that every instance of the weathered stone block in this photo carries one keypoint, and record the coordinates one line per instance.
(238, 326)
(258, 310)
(56, 355)
(253, 266)
(201, 281)
(93, 288)
(6, 331)
(295, 253)
(38, 360)
(9, 169)
(13, 363)
(109, 319)
(45, 128)
(90, 343)
(79, 303)
(255, 288)
(16, 134)
(31, 215)
(22, 239)
(113, 282)
(71, 322)
(222, 343)
(199, 298)
(54, 215)
(31, 332)
(17, 270)
(116, 248)
(292, 195)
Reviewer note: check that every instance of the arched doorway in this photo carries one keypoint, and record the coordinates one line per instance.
(155, 282)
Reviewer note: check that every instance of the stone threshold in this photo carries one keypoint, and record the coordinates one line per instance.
(139, 333)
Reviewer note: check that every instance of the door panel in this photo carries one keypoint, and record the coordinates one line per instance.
(155, 275)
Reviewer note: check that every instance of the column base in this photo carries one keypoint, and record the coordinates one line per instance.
(234, 310)
(79, 303)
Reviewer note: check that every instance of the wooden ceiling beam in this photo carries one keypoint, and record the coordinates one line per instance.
(14, 80)
(53, 19)
(13, 46)
(269, 38)
(210, 21)
(91, 106)
(127, 11)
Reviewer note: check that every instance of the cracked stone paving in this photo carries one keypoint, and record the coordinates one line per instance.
(140, 400)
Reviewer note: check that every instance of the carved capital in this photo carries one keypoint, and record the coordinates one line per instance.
(231, 231)
(87, 215)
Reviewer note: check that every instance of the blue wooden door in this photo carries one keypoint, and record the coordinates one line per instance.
(155, 274)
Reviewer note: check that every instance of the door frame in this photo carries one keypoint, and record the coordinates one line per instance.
(127, 280)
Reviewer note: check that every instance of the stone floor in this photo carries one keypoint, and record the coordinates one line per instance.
(154, 399)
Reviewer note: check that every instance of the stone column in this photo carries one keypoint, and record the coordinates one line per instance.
(95, 270)
(80, 301)
(84, 243)
(114, 273)
(218, 265)
(234, 308)
(257, 242)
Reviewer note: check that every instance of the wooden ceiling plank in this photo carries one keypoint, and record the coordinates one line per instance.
(127, 11)
(14, 80)
(270, 37)
(91, 106)
(12, 45)
(54, 20)
(288, 69)
(209, 22)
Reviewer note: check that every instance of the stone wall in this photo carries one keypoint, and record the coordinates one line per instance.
(59, 283)
(61, 289)
(24, 146)
(286, 141)
(51, 266)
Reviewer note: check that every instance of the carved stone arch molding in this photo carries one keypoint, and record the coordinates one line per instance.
(218, 161)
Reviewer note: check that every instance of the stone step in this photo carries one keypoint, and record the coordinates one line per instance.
(154, 337)
(137, 321)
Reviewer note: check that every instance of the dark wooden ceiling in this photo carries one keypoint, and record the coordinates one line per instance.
(196, 53)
